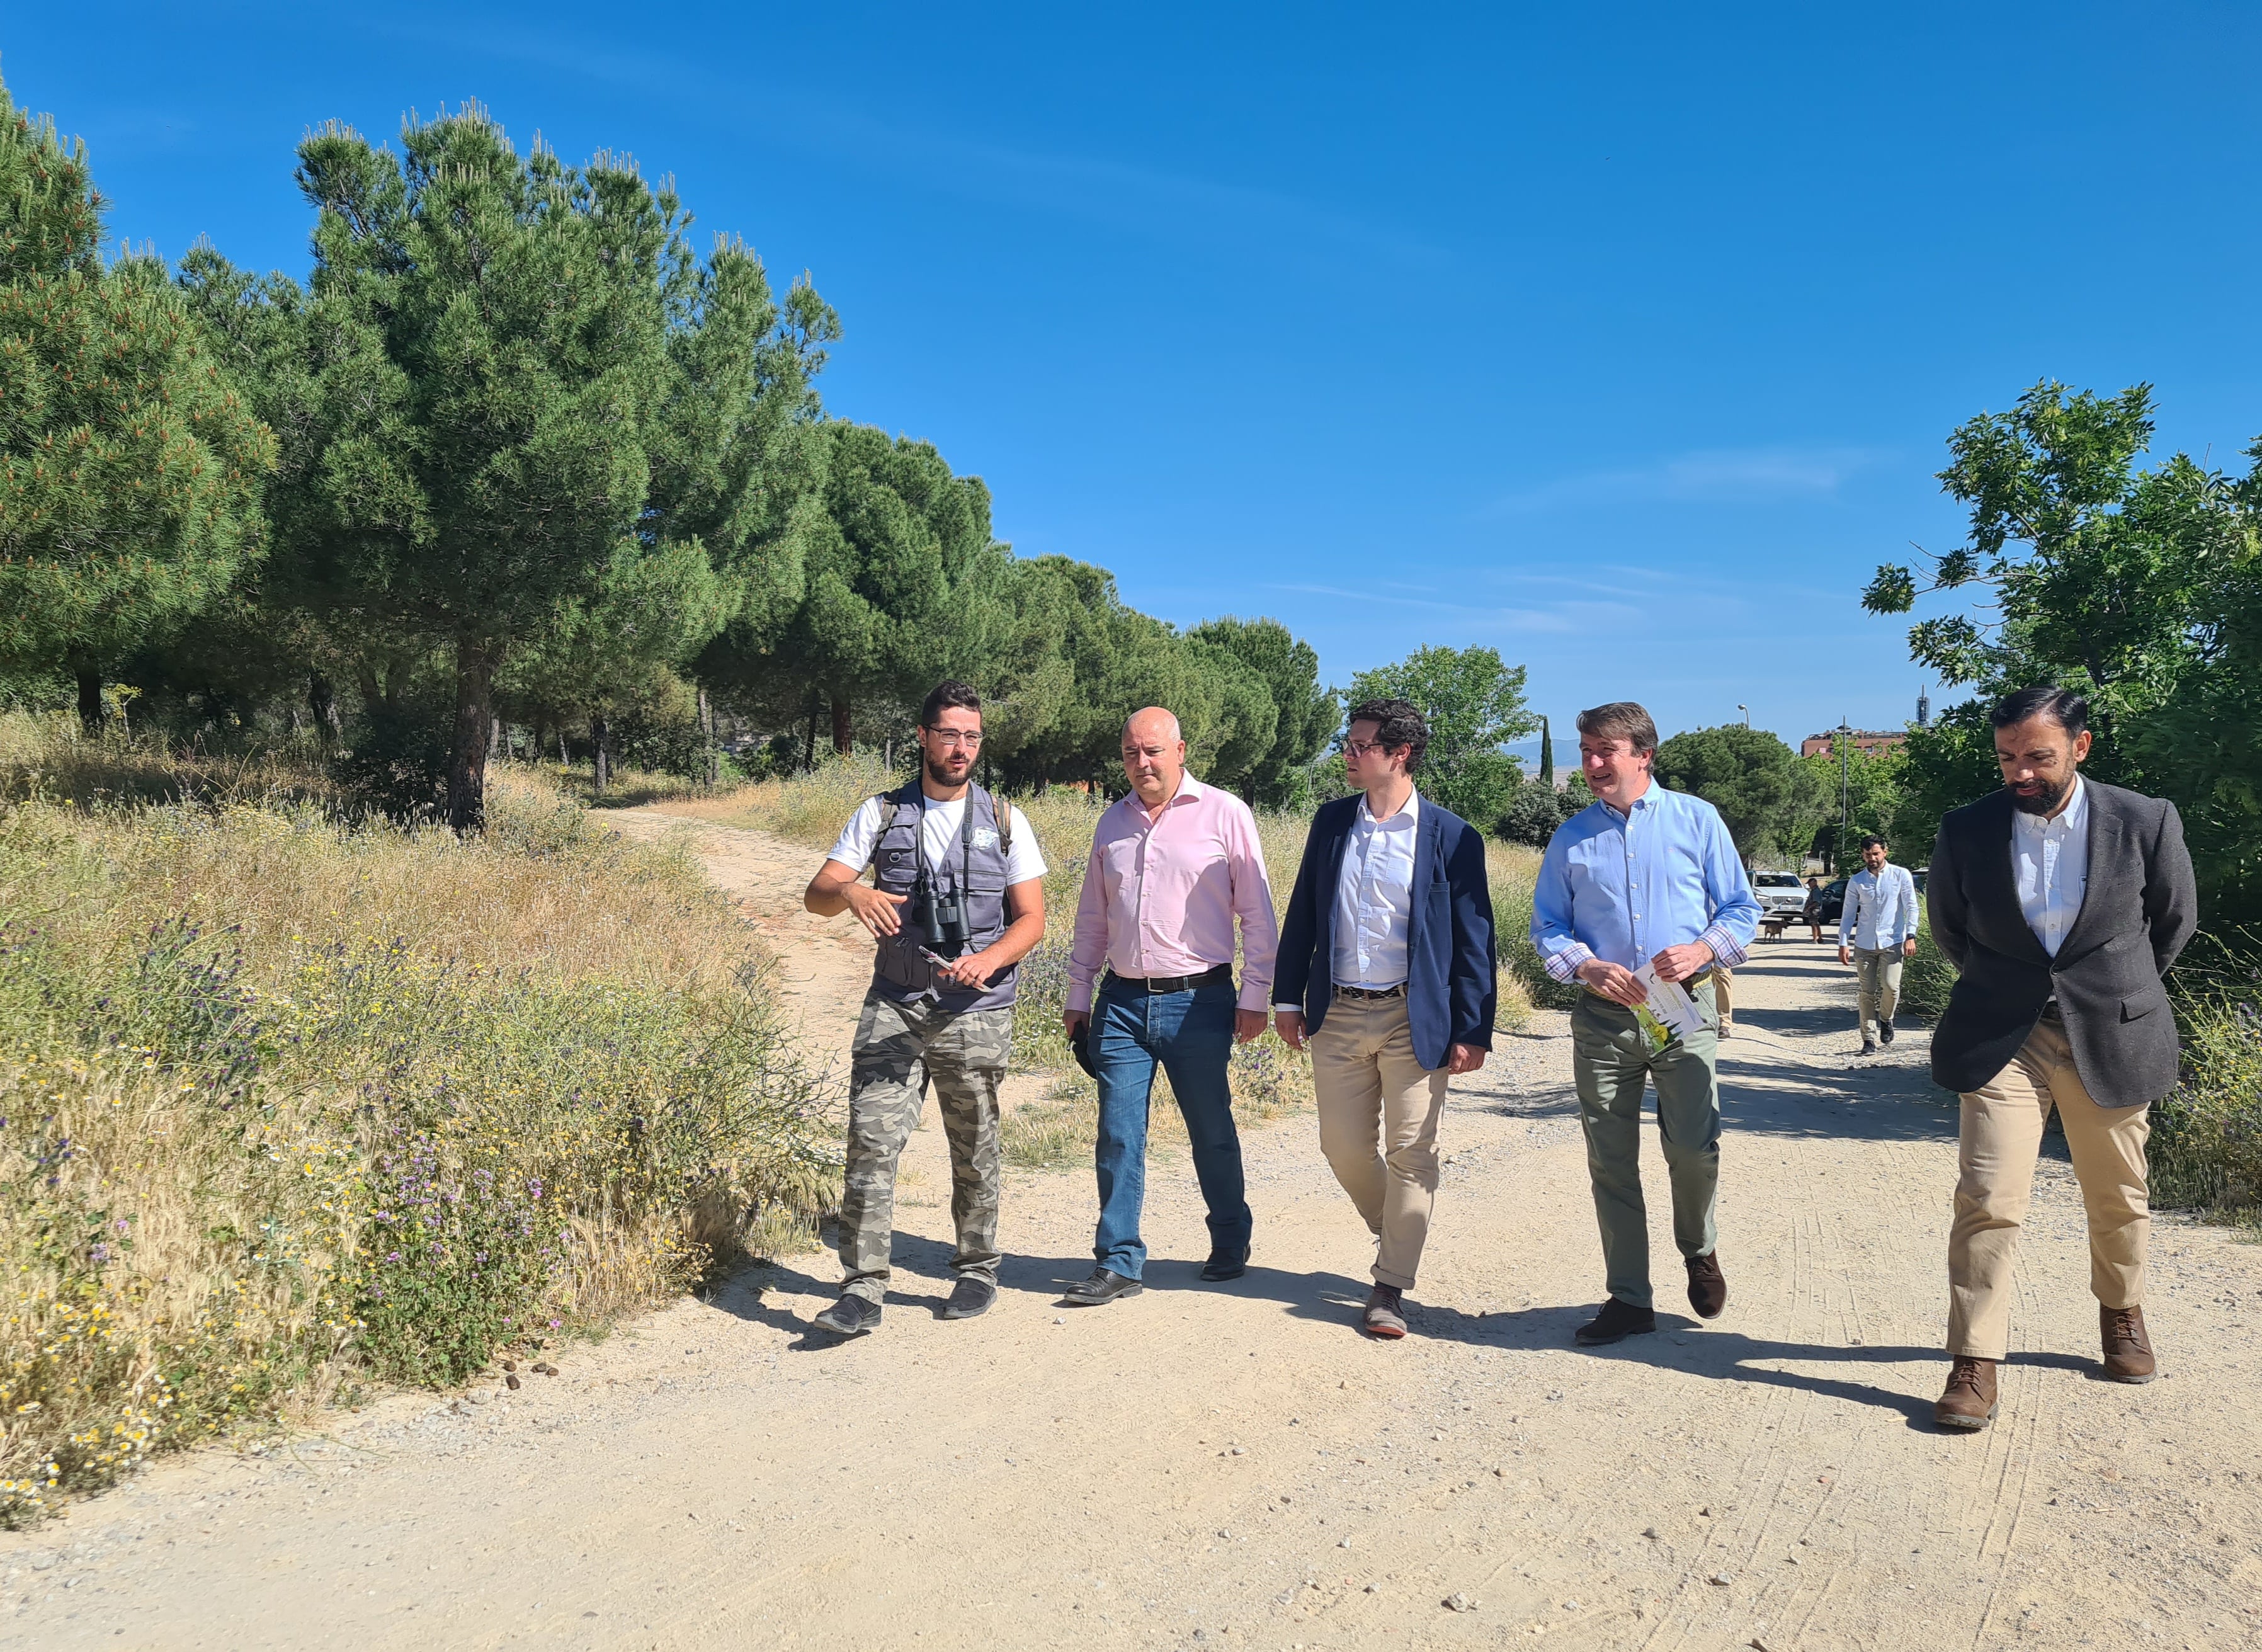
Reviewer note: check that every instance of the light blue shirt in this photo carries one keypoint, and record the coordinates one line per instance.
(1624, 887)
(1880, 909)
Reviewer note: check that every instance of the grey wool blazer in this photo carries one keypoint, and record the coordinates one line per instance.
(2138, 909)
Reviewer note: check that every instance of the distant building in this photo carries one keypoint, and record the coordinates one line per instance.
(1865, 739)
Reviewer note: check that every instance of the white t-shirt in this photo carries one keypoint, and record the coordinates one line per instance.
(940, 829)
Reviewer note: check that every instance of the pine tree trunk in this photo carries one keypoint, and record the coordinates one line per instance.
(89, 699)
(322, 701)
(601, 753)
(467, 760)
(841, 744)
(563, 760)
(707, 733)
(809, 745)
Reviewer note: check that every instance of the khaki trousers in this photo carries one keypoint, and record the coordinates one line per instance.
(2000, 1138)
(1378, 1110)
(1880, 977)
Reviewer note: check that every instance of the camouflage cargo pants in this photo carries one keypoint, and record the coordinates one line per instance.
(899, 1047)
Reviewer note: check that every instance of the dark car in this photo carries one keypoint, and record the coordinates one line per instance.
(1825, 904)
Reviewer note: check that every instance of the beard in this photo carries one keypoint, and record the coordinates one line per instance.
(2046, 798)
(942, 776)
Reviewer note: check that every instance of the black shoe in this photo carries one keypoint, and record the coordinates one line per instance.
(1224, 1265)
(1885, 1031)
(968, 1297)
(1103, 1287)
(1869, 1049)
(850, 1316)
(1708, 1286)
(1616, 1320)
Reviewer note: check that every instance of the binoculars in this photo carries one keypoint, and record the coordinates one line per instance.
(943, 916)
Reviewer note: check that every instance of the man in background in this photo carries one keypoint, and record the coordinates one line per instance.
(1174, 865)
(2062, 903)
(1387, 960)
(1643, 876)
(1877, 931)
(957, 901)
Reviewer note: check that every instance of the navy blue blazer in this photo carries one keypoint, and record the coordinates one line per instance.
(1451, 991)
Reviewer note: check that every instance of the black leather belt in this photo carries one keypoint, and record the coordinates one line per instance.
(1151, 985)
(1372, 991)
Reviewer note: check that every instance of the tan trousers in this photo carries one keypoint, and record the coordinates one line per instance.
(1722, 980)
(1378, 1110)
(1879, 973)
(2001, 1139)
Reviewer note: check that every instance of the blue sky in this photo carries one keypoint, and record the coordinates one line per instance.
(1624, 340)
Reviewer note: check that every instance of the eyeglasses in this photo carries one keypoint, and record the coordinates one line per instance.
(951, 740)
(1362, 748)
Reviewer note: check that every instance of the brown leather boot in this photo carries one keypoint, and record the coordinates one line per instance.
(1968, 1402)
(2127, 1350)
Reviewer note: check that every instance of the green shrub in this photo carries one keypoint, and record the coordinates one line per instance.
(1927, 978)
(2206, 1148)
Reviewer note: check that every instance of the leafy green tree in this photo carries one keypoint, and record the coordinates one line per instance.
(1304, 713)
(1546, 754)
(1755, 780)
(1066, 660)
(1874, 784)
(1474, 703)
(902, 583)
(129, 467)
(510, 385)
(1533, 812)
(2135, 585)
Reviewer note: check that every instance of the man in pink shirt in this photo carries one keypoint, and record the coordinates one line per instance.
(1172, 866)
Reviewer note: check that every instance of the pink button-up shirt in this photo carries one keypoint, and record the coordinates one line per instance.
(1160, 897)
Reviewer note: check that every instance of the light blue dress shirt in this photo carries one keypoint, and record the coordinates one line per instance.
(1880, 909)
(1624, 887)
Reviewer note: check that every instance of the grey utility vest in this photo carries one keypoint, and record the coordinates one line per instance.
(976, 866)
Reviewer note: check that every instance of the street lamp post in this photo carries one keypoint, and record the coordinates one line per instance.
(1845, 786)
(1747, 711)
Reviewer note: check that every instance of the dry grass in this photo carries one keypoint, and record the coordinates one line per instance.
(286, 1102)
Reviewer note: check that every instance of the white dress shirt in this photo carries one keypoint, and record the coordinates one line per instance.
(2050, 860)
(1375, 896)
(1880, 909)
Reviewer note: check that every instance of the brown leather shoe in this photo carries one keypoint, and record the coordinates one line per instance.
(1968, 1402)
(1708, 1286)
(1386, 1312)
(2127, 1350)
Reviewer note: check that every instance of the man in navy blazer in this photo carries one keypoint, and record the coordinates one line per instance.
(1387, 966)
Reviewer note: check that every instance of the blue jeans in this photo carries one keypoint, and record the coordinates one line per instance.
(1191, 1034)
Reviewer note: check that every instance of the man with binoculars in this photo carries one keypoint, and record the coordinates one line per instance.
(956, 902)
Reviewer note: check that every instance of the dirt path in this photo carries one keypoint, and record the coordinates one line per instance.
(1234, 1467)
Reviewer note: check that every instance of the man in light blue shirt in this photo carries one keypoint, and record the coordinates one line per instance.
(1876, 932)
(1641, 876)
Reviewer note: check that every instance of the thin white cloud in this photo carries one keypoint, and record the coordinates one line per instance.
(1134, 199)
(1719, 475)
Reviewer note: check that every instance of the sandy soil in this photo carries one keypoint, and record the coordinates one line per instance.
(1236, 1466)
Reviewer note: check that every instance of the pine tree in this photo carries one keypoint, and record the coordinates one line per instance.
(129, 467)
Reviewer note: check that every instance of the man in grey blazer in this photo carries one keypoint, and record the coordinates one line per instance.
(2060, 903)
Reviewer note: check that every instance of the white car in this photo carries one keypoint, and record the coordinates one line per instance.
(1779, 893)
